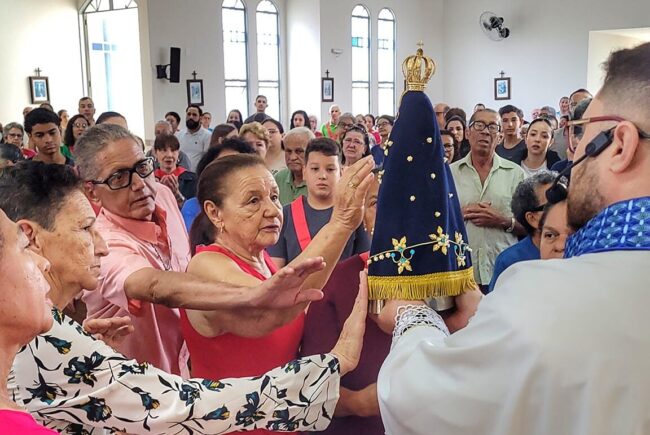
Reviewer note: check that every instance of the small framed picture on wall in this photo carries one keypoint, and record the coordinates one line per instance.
(502, 88)
(39, 89)
(195, 92)
(327, 89)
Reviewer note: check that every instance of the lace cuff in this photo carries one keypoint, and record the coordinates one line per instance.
(410, 316)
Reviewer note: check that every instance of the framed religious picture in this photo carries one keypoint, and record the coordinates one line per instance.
(502, 88)
(39, 89)
(195, 92)
(327, 89)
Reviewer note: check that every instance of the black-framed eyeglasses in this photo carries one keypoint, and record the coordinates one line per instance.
(539, 208)
(122, 178)
(480, 126)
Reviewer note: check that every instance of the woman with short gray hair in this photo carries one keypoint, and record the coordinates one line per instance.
(527, 206)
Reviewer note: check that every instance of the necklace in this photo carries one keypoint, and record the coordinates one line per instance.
(167, 265)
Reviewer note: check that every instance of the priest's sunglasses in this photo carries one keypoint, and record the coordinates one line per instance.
(480, 126)
(122, 179)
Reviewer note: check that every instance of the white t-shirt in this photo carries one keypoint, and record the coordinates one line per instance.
(194, 144)
(528, 172)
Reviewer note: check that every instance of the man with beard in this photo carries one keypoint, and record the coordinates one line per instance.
(195, 140)
(562, 347)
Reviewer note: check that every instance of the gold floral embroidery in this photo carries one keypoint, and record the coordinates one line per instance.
(441, 241)
(402, 253)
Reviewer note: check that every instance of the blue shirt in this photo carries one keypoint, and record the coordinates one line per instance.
(521, 251)
(378, 154)
(190, 211)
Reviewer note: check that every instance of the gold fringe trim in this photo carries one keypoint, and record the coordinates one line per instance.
(422, 286)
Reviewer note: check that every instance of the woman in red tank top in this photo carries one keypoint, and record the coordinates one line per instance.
(241, 216)
(245, 212)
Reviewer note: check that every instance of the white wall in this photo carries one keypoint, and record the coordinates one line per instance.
(546, 54)
(601, 44)
(41, 34)
(416, 20)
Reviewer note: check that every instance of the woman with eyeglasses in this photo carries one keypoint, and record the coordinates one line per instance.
(355, 145)
(527, 206)
(573, 135)
(75, 128)
(537, 157)
(555, 230)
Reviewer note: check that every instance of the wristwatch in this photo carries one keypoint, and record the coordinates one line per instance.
(511, 228)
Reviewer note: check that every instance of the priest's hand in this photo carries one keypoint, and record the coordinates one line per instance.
(466, 305)
(348, 349)
(361, 403)
(112, 330)
(386, 318)
(350, 194)
(284, 289)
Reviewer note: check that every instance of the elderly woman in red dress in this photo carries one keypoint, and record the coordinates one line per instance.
(240, 200)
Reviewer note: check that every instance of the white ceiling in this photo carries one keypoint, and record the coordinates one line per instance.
(642, 33)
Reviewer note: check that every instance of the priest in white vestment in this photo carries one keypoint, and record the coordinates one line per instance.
(560, 346)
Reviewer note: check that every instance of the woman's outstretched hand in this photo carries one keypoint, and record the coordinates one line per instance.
(348, 348)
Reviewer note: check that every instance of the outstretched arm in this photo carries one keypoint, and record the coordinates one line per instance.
(66, 377)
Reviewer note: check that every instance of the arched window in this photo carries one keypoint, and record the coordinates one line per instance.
(360, 60)
(386, 62)
(112, 43)
(268, 56)
(233, 18)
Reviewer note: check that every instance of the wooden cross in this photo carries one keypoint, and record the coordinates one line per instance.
(38, 72)
(194, 75)
(502, 73)
(327, 73)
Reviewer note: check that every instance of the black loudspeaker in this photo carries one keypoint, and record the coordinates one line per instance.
(174, 65)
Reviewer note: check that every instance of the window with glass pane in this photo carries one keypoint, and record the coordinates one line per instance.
(112, 43)
(386, 62)
(268, 56)
(233, 18)
(360, 60)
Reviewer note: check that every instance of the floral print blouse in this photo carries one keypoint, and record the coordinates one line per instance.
(78, 385)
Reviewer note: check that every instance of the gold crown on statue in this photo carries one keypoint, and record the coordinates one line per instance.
(418, 70)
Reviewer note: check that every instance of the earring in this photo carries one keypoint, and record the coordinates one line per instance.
(221, 227)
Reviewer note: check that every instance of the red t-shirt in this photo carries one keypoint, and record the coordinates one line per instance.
(159, 173)
(19, 422)
(232, 356)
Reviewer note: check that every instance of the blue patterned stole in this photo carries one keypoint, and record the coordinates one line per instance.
(623, 226)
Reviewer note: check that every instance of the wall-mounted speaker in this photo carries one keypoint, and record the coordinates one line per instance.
(174, 66)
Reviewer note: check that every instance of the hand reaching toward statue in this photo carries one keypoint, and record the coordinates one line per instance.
(348, 347)
(350, 194)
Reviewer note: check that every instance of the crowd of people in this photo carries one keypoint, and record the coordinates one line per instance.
(211, 282)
